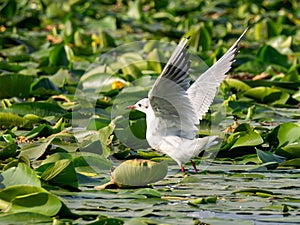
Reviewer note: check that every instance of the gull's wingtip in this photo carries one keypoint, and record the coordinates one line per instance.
(242, 35)
(186, 39)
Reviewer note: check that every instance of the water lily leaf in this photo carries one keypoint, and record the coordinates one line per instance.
(284, 134)
(26, 198)
(62, 77)
(200, 37)
(61, 173)
(296, 95)
(253, 191)
(10, 120)
(36, 149)
(237, 84)
(97, 123)
(7, 149)
(267, 94)
(58, 56)
(148, 192)
(265, 157)
(41, 109)
(42, 130)
(155, 59)
(101, 220)
(44, 86)
(292, 162)
(56, 157)
(20, 175)
(100, 82)
(11, 67)
(15, 85)
(139, 172)
(271, 55)
(197, 201)
(135, 10)
(87, 162)
(290, 151)
(21, 217)
(247, 139)
(106, 40)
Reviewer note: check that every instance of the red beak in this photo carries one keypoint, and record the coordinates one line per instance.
(131, 107)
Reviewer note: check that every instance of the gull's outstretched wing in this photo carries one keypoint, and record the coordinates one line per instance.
(168, 97)
(203, 90)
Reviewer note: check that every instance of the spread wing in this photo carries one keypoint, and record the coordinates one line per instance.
(203, 90)
(168, 97)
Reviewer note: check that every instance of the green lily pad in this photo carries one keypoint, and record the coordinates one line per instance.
(61, 173)
(20, 175)
(15, 85)
(137, 173)
(21, 217)
(26, 198)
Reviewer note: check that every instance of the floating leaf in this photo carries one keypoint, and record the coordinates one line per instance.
(266, 157)
(266, 94)
(10, 120)
(41, 109)
(26, 198)
(237, 84)
(284, 134)
(291, 150)
(292, 162)
(137, 173)
(7, 149)
(87, 162)
(148, 192)
(15, 85)
(271, 55)
(58, 56)
(247, 139)
(197, 201)
(21, 217)
(20, 175)
(61, 173)
(36, 149)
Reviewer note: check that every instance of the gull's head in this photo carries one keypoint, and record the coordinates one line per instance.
(142, 105)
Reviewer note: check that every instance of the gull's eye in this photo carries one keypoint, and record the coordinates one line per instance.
(140, 105)
(146, 107)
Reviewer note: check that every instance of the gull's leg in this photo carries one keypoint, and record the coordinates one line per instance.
(194, 165)
(182, 168)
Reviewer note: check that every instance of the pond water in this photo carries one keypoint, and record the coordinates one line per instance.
(245, 194)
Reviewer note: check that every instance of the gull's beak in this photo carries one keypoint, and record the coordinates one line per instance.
(131, 107)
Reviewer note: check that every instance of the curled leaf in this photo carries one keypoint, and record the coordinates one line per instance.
(137, 173)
